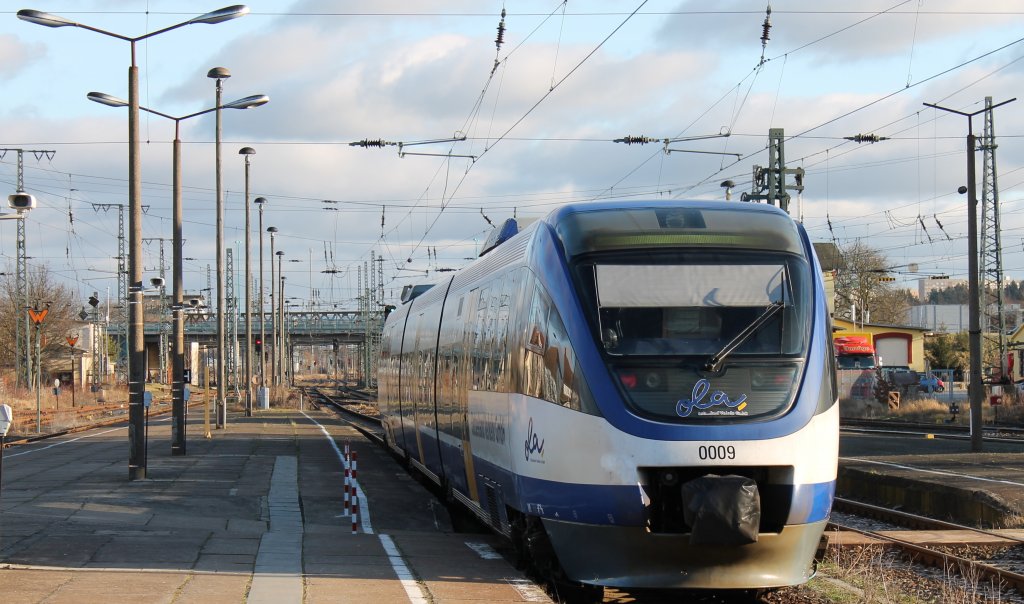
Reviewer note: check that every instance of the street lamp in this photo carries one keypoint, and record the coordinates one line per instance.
(273, 312)
(278, 353)
(246, 152)
(259, 201)
(177, 308)
(976, 387)
(136, 349)
(219, 74)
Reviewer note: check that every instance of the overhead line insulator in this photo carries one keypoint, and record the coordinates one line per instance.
(637, 140)
(866, 138)
(766, 26)
(372, 143)
(498, 41)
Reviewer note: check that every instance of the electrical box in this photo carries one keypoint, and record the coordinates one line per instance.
(6, 417)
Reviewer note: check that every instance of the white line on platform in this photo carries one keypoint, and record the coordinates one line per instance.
(364, 504)
(409, 583)
(63, 442)
(930, 471)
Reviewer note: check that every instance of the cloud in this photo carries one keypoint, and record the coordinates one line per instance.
(832, 32)
(17, 56)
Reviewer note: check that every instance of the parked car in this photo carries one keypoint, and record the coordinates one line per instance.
(931, 384)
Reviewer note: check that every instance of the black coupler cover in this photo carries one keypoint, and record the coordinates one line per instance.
(721, 510)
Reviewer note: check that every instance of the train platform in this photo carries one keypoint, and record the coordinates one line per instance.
(253, 514)
(940, 477)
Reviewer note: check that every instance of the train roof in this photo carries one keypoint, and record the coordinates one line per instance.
(610, 225)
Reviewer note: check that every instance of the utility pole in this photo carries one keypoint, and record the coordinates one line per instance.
(769, 184)
(991, 249)
(976, 390)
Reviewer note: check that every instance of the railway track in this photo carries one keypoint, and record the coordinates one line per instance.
(949, 556)
(352, 405)
(990, 432)
(954, 556)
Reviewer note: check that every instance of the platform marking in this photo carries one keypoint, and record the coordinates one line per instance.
(939, 472)
(64, 442)
(528, 590)
(277, 574)
(483, 550)
(405, 576)
(364, 504)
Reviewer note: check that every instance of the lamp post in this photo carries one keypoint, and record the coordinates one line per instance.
(273, 308)
(278, 352)
(259, 201)
(219, 74)
(246, 152)
(281, 331)
(178, 305)
(136, 351)
(976, 387)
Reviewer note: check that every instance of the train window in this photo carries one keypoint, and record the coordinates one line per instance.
(701, 335)
(533, 364)
(499, 355)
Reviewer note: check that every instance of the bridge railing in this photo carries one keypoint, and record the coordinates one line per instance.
(297, 323)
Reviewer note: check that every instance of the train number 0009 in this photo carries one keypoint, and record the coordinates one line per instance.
(716, 452)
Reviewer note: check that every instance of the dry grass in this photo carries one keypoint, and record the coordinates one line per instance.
(873, 574)
(932, 410)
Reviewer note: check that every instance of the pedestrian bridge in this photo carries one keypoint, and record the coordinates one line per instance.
(307, 327)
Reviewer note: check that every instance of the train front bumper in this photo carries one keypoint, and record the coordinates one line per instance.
(631, 557)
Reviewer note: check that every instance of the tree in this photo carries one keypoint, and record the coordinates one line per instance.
(862, 284)
(60, 321)
(947, 351)
(956, 294)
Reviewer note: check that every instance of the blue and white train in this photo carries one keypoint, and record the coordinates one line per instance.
(637, 394)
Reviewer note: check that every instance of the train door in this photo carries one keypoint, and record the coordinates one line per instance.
(426, 387)
(456, 451)
(407, 389)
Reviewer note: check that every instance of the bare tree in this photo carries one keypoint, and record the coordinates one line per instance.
(864, 284)
(43, 293)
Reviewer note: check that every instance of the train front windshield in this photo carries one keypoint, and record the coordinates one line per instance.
(701, 334)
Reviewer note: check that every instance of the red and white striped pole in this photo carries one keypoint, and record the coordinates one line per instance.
(355, 511)
(347, 489)
(348, 480)
(355, 462)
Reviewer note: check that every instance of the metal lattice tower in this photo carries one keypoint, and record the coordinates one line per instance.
(21, 285)
(231, 312)
(377, 310)
(363, 349)
(23, 371)
(993, 323)
(163, 319)
(122, 287)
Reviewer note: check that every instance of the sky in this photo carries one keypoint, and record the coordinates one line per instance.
(490, 132)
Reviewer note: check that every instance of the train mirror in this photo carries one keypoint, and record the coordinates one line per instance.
(6, 418)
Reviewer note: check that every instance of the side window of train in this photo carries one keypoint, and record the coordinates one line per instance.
(536, 345)
(503, 340)
(477, 350)
(560, 365)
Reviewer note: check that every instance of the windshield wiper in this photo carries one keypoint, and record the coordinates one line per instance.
(716, 359)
